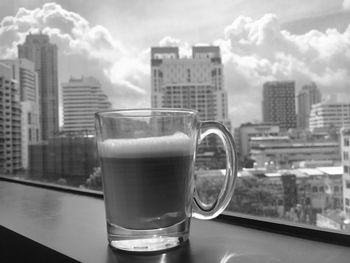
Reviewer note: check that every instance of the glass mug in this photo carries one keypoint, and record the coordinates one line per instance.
(147, 158)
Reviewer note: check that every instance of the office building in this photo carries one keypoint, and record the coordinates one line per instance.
(327, 115)
(81, 99)
(345, 152)
(24, 73)
(38, 49)
(307, 96)
(10, 122)
(246, 131)
(279, 104)
(194, 82)
(72, 158)
(285, 153)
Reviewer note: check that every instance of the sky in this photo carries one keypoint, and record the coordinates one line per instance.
(296, 40)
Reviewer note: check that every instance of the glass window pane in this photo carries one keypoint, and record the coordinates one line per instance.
(274, 73)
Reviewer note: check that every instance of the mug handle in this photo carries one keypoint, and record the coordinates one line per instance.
(209, 211)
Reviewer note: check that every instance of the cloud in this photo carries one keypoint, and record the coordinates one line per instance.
(83, 49)
(185, 48)
(346, 4)
(253, 51)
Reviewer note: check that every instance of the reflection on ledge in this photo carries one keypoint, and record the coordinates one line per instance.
(178, 254)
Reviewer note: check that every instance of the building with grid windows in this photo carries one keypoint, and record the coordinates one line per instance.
(38, 49)
(324, 116)
(345, 151)
(285, 152)
(10, 122)
(23, 72)
(279, 104)
(307, 96)
(194, 82)
(81, 99)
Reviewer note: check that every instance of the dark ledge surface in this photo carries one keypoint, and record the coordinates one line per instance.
(43, 225)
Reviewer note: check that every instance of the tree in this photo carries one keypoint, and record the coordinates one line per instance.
(252, 197)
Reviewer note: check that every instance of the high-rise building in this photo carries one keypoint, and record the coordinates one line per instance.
(279, 103)
(10, 122)
(81, 99)
(193, 83)
(24, 73)
(345, 152)
(307, 96)
(38, 49)
(327, 115)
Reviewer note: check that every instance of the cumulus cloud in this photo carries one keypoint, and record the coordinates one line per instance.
(83, 49)
(185, 48)
(346, 4)
(253, 51)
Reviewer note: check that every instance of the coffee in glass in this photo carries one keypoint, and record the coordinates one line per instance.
(147, 158)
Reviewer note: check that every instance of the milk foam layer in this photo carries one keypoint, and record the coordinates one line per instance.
(178, 143)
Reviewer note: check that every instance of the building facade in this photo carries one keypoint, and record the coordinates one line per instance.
(193, 83)
(324, 116)
(245, 132)
(286, 153)
(10, 122)
(279, 104)
(345, 152)
(307, 96)
(24, 73)
(38, 49)
(72, 158)
(81, 99)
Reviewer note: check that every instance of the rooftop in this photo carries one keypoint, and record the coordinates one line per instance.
(332, 170)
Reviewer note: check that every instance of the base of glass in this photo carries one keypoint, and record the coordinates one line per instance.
(148, 240)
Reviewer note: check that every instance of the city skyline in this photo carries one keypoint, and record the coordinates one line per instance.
(261, 65)
(256, 47)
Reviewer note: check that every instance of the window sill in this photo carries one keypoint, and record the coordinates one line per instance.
(67, 227)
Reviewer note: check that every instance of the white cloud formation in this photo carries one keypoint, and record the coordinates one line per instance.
(253, 52)
(83, 49)
(184, 47)
(346, 4)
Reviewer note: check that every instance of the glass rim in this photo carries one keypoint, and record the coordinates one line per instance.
(145, 112)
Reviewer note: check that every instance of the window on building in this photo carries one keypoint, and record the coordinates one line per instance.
(336, 189)
(346, 169)
(188, 75)
(346, 156)
(346, 141)
(29, 118)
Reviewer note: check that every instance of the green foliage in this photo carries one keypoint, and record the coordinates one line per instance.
(250, 195)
